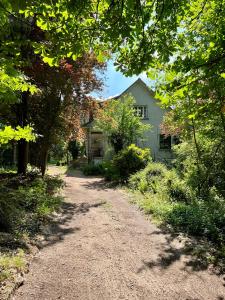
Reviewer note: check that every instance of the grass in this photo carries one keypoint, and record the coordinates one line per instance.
(61, 169)
(11, 262)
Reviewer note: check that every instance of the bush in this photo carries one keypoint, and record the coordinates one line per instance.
(170, 202)
(155, 177)
(93, 169)
(198, 217)
(27, 200)
(125, 163)
(130, 160)
(111, 173)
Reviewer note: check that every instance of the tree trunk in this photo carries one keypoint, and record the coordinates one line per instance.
(44, 162)
(14, 154)
(22, 160)
(22, 157)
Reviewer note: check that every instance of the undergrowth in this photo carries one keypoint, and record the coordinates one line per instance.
(26, 202)
(11, 263)
(162, 194)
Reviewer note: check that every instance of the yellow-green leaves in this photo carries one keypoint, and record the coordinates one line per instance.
(11, 83)
(8, 133)
(50, 60)
(42, 24)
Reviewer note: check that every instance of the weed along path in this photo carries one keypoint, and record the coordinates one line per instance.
(103, 248)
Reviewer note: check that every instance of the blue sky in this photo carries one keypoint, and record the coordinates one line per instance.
(115, 82)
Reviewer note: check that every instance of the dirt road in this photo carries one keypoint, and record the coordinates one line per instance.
(104, 248)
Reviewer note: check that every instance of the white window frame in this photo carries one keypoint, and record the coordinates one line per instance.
(141, 111)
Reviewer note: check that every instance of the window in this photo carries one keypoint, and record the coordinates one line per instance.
(141, 111)
(164, 142)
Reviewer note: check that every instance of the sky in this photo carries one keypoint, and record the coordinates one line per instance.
(115, 82)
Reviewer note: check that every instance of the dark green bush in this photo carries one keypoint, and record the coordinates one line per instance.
(74, 148)
(200, 218)
(93, 169)
(111, 173)
(125, 163)
(130, 160)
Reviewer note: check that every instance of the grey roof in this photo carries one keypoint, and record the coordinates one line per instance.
(139, 80)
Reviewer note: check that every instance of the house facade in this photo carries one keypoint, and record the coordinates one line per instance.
(150, 112)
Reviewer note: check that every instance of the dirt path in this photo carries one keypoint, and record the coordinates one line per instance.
(104, 248)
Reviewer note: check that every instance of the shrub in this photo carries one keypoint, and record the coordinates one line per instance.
(130, 160)
(111, 173)
(155, 177)
(93, 169)
(198, 217)
(170, 202)
(106, 169)
(27, 200)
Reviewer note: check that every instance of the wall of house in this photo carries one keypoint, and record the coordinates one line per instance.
(155, 114)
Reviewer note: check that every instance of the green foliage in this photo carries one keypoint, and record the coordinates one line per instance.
(8, 263)
(12, 82)
(58, 152)
(198, 218)
(130, 160)
(75, 148)
(111, 172)
(118, 121)
(156, 178)
(173, 200)
(106, 169)
(27, 201)
(125, 163)
(204, 170)
(8, 134)
(93, 169)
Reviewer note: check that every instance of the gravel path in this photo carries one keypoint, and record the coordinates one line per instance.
(104, 248)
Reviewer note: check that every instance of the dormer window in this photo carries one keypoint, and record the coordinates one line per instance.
(141, 111)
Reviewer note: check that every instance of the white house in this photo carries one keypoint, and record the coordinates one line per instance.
(149, 110)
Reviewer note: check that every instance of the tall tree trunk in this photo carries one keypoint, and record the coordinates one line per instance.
(22, 160)
(22, 157)
(14, 154)
(44, 160)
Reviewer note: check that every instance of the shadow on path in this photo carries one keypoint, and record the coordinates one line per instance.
(99, 185)
(193, 252)
(60, 226)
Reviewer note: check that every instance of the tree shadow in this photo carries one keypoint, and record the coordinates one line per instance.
(193, 253)
(56, 230)
(9, 242)
(99, 185)
(71, 172)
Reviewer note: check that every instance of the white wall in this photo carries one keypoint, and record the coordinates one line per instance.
(143, 96)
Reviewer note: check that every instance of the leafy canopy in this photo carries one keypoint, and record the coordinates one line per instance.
(8, 133)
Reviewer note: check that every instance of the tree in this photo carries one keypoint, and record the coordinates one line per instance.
(183, 41)
(192, 81)
(63, 101)
(118, 121)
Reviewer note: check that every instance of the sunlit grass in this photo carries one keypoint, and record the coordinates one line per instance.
(11, 263)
